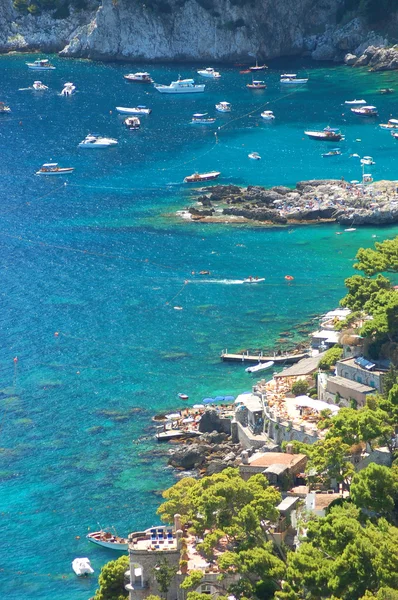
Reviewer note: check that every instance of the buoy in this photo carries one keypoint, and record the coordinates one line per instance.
(289, 277)
(16, 359)
(56, 334)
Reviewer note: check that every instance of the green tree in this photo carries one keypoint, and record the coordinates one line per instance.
(362, 290)
(375, 488)
(111, 580)
(329, 457)
(330, 357)
(383, 258)
(300, 387)
(164, 574)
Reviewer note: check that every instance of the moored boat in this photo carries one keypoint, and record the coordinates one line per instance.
(41, 64)
(223, 107)
(138, 78)
(254, 156)
(108, 540)
(291, 78)
(69, 89)
(137, 110)
(260, 367)
(4, 108)
(181, 86)
(54, 169)
(256, 85)
(38, 86)
(394, 135)
(391, 124)
(326, 135)
(82, 566)
(96, 141)
(258, 67)
(183, 396)
(209, 72)
(202, 119)
(333, 152)
(386, 91)
(355, 102)
(367, 160)
(198, 177)
(132, 123)
(365, 111)
(268, 115)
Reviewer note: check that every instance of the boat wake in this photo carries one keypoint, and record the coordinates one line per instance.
(220, 281)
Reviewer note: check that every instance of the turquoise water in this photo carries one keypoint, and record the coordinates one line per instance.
(99, 262)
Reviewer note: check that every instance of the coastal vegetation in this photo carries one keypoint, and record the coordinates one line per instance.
(111, 580)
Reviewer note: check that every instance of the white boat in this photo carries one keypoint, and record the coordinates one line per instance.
(254, 156)
(138, 78)
(198, 177)
(183, 396)
(350, 229)
(96, 141)
(82, 566)
(365, 111)
(329, 134)
(367, 160)
(108, 540)
(256, 85)
(291, 78)
(181, 86)
(38, 86)
(68, 89)
(355, 102)
(137, 110)
(333, 152)
(258, 67)
(223, 107)
(253, 279)
(4, 108)
(132, 123)
(367, 178)
(209, 72)
(54, 169)
(41, 64)
(202, 119)
(260, 367)
(268, 115)
(392, 124)
(394, 135)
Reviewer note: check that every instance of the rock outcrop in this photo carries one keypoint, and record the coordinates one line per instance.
(376, 57)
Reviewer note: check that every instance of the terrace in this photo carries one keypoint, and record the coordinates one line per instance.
(154, 539)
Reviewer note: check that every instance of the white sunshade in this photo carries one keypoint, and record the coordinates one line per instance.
(307, 402)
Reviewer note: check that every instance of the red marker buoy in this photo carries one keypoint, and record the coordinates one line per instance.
(56, 334)
(15, 359)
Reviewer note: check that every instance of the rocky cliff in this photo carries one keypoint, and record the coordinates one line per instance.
(220, 30)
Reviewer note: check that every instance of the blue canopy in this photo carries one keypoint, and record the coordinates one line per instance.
(208, 400)
(229, 398)
(219, 398)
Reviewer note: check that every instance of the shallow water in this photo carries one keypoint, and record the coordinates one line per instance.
(97, 263)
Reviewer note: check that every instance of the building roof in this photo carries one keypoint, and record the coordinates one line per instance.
(331, 337)
(307, 402)
(338, 312)
(306, 366)
(350, 385)
(350, 362)
(266, 459)
(251, 401)
(276, 469)
(287, 503)
(320, 501)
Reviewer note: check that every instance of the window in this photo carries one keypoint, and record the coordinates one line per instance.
(206, 588)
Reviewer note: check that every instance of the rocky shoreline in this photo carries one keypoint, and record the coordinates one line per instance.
(375, 57)
(314, 201)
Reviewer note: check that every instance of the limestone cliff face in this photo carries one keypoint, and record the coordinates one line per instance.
(185, 30)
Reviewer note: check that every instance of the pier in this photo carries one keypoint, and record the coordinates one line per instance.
(288, 359)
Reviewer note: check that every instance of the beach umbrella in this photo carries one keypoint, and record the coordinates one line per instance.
(208, 400)
(173, 416)
(198, 406)
(229, 398)
(219, 398)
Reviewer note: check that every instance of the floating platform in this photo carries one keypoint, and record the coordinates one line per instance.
(288, 359)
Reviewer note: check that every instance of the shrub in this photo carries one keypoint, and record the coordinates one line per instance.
(111, 580)
(300, 387)
(330, 357)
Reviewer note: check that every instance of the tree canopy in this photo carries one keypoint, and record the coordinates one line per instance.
(375, 488)
(111, 580)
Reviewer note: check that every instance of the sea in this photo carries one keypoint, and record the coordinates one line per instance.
(93, 266)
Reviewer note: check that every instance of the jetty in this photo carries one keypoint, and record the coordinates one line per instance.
(288, 359)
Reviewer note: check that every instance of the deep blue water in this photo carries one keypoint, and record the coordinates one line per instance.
(99, 262)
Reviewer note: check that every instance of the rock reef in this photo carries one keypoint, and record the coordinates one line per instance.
(311, 201)
(376, 57)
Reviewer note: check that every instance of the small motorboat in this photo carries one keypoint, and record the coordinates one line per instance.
(326, 135)
(365, 111)
(334, 152)
(82, 567)
(108, 540)
(54, 169)
(386, 91)
(41, 64)
(367, 178)
(209, 72)
(183, 396)
(132, 123)
(202, 119)
(392, 124)
(291, 78)
(198, 177)
(138, 78)
(355, 102)
(254, 156)
(223, 107)
(260, 367)
(96, 141)
(253, 279)
(350, 229)
(4, 109)
(367, 160)
(256, 85)
(137, 110)
(245, 71)
(268, 115)
(68, 90)
(394, 135)
(258, 67)
(38, 86)
(181, 86)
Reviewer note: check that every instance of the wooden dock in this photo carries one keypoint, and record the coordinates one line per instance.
(287, 359)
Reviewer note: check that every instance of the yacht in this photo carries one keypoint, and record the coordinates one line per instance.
(209, 72)
(68, 89)
(367, 160)
(355, 102)
(38, 86)
(138, 110)
(365, 111)
(256, 85)
(138, 78)
(181, 86)
(392, 124)
(96, 141)
(291, 78)
(326, 135)
(198, 177)
(41, 64)
(254, 156)
(54, 169)
(202, 119)
(132, 123)
(4, 108)
(223, 107)
(268, 115)
(258, 67)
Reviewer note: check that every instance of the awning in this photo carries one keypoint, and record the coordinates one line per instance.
(307, 402)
